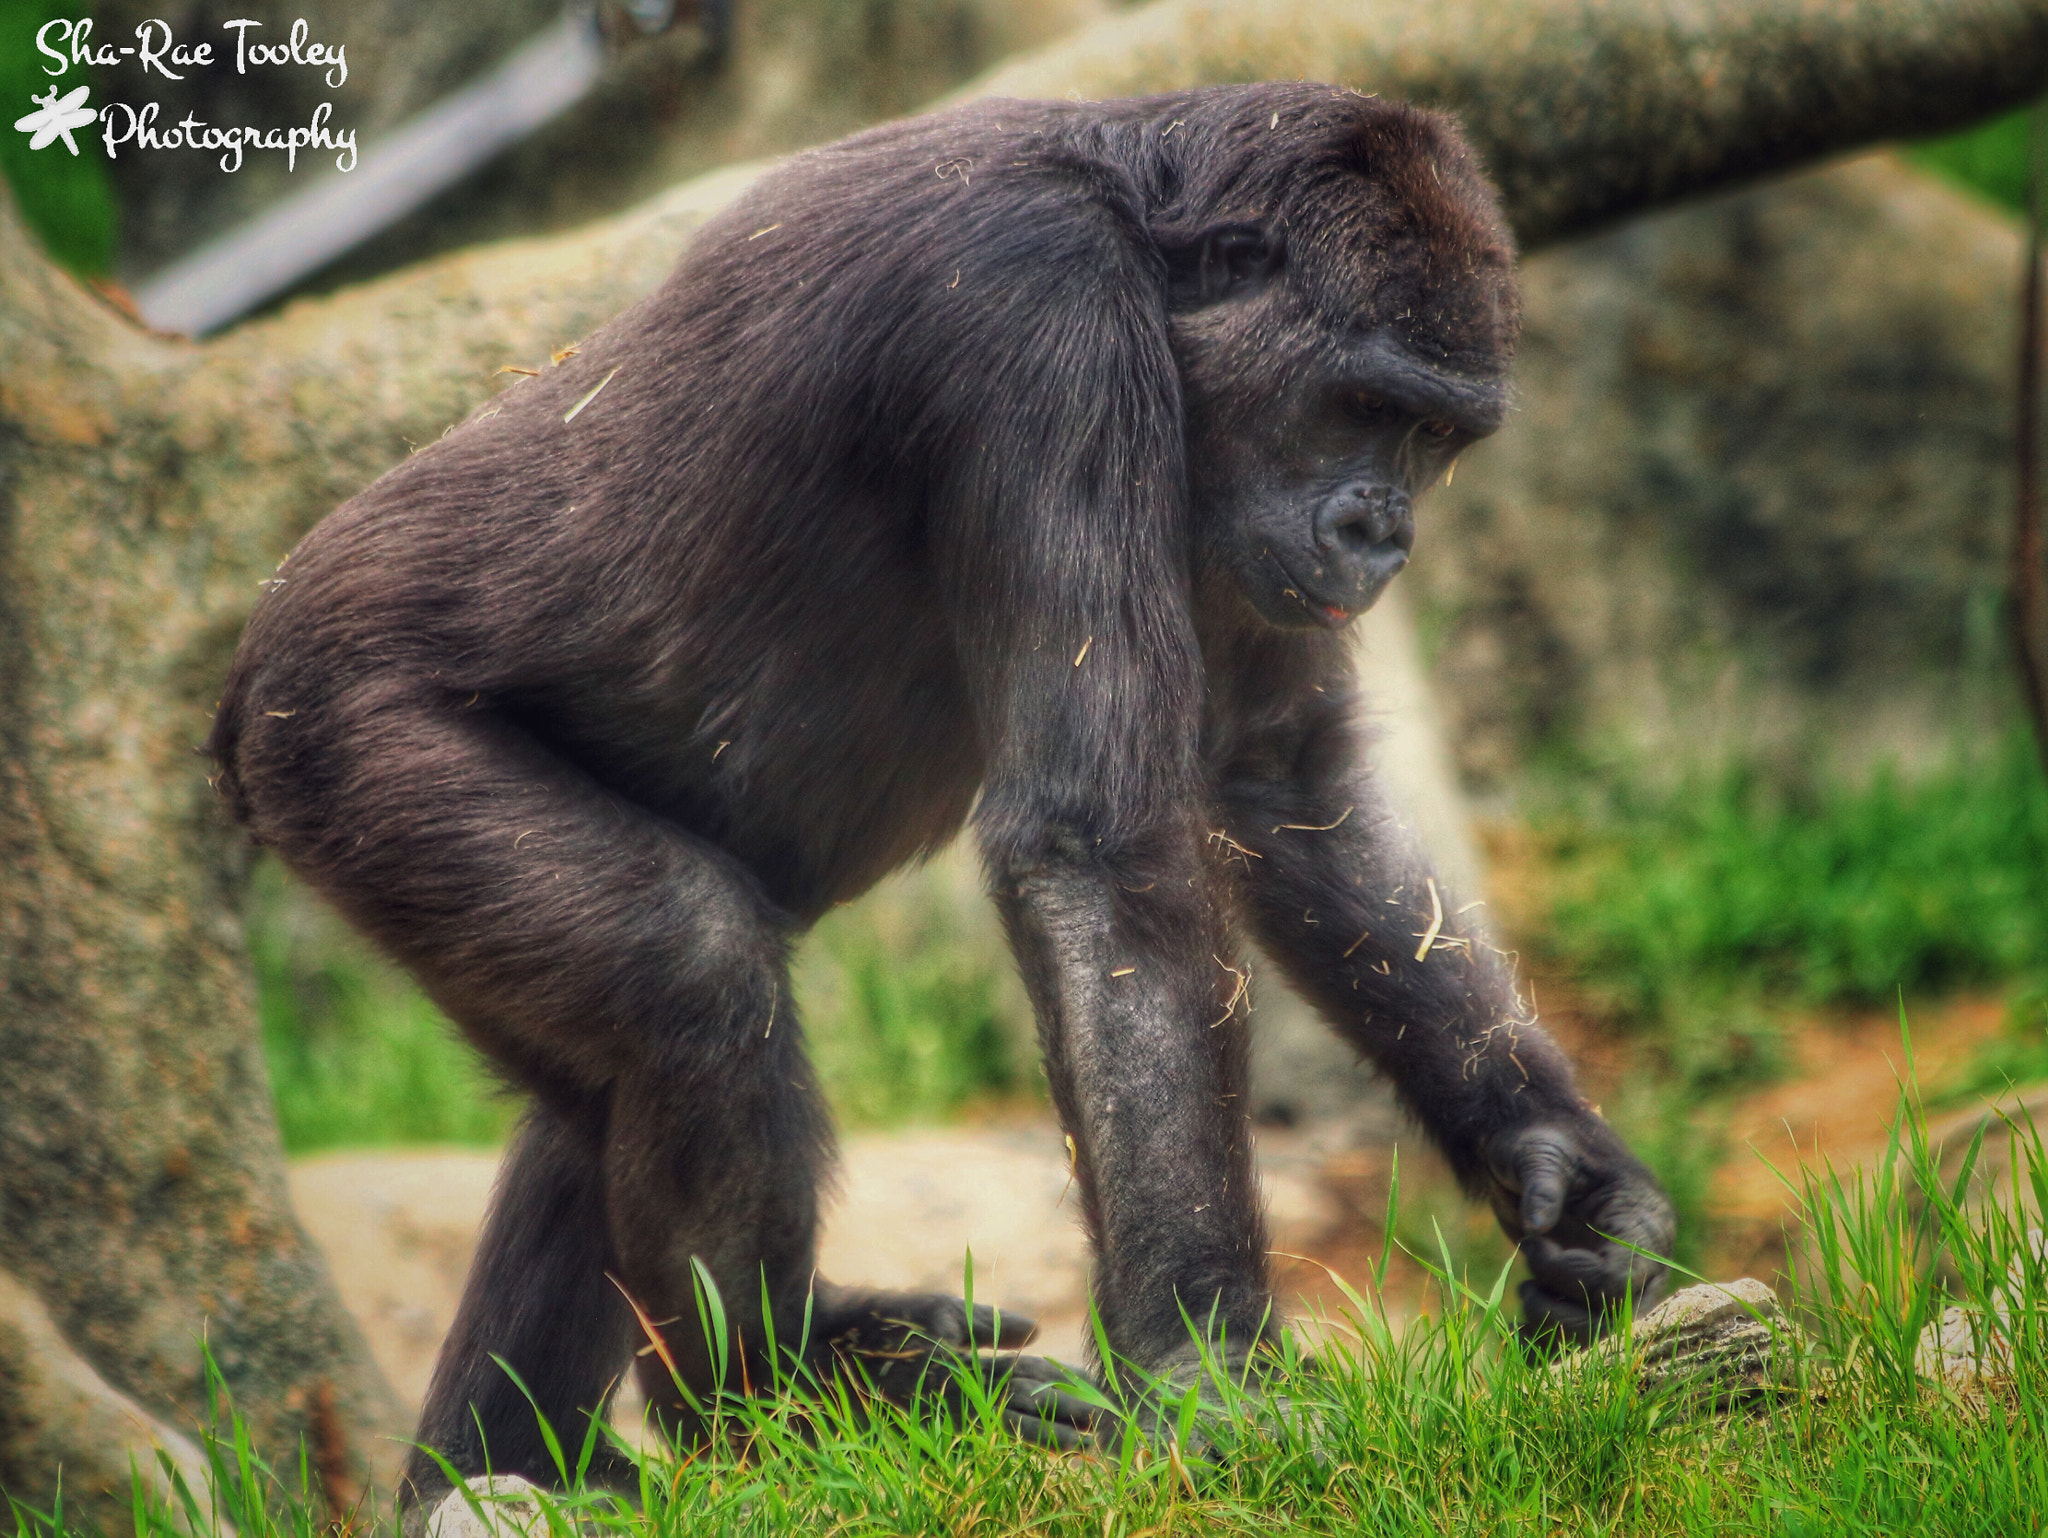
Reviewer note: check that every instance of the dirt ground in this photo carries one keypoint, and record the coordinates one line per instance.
(399, 1225)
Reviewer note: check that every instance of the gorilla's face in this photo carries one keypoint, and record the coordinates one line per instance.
(1310, 438)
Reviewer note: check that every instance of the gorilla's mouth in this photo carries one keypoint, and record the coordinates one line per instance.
(1331, 616)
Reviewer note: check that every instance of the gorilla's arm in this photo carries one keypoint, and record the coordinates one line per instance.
(1062, 554)
(1342, 901)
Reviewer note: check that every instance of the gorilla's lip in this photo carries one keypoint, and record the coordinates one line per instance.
(1331, 616)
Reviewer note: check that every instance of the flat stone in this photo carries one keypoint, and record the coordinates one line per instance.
(1964, 1346)
(1723, 1341)
(1714, 1318)
(511, 1509)
(1957, 1348)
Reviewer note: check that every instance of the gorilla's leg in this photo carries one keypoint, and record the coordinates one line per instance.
(607, 957)
(625, 970)
(713, 1161)
(538, 1299)
(717, 1166)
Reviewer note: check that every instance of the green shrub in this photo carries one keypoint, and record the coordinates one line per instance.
(65, 198)
(1990, 158)
(899, 1003)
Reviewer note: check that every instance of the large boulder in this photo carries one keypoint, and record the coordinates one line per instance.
(1754, 494)
(60, 1421)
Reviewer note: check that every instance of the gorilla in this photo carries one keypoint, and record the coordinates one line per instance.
(1018, 466)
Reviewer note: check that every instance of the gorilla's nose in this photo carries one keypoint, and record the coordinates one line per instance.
(1364, 534)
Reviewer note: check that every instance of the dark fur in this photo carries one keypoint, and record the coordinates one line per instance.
(979, 454)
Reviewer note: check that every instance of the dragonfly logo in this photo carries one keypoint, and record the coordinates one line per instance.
(54, 118)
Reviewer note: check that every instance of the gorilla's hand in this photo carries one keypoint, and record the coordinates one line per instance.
(915, 1347)
(1565, 1190)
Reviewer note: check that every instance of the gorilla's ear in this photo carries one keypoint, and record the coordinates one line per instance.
(1225, 262)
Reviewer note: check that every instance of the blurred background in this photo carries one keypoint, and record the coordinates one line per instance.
(1699, 679)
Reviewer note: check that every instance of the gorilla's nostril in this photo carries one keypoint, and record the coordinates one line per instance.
(1364, 532)
(1355, 534)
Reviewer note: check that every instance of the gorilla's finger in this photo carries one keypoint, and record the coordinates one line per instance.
(891, 1321)
(1002, 1329)
(1604, 1270)
(1544, 1165)
(1568, 1269)
(1044, 1387)
(1057, 1404)
(1542, 1309)
(1040, 1432)
(1649, 1279)
(1546, 1314)
(1031, 1369)
(1626, 1215)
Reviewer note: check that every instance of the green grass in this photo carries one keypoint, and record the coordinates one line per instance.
(901, 996)
(1438, 1426)
(1695, 914)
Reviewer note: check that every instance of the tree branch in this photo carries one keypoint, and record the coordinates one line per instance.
(1589, 110)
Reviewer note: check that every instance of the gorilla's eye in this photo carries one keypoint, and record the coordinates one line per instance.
(1366, 404)
(1439, 428)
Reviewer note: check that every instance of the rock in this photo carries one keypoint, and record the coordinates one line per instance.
(1730, 1323)
(398, 1226)
(510, 1509)
(1724, 1341)
(1965, 1346)
(56, 1413)
(1958, 1349)
(1754, 494)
